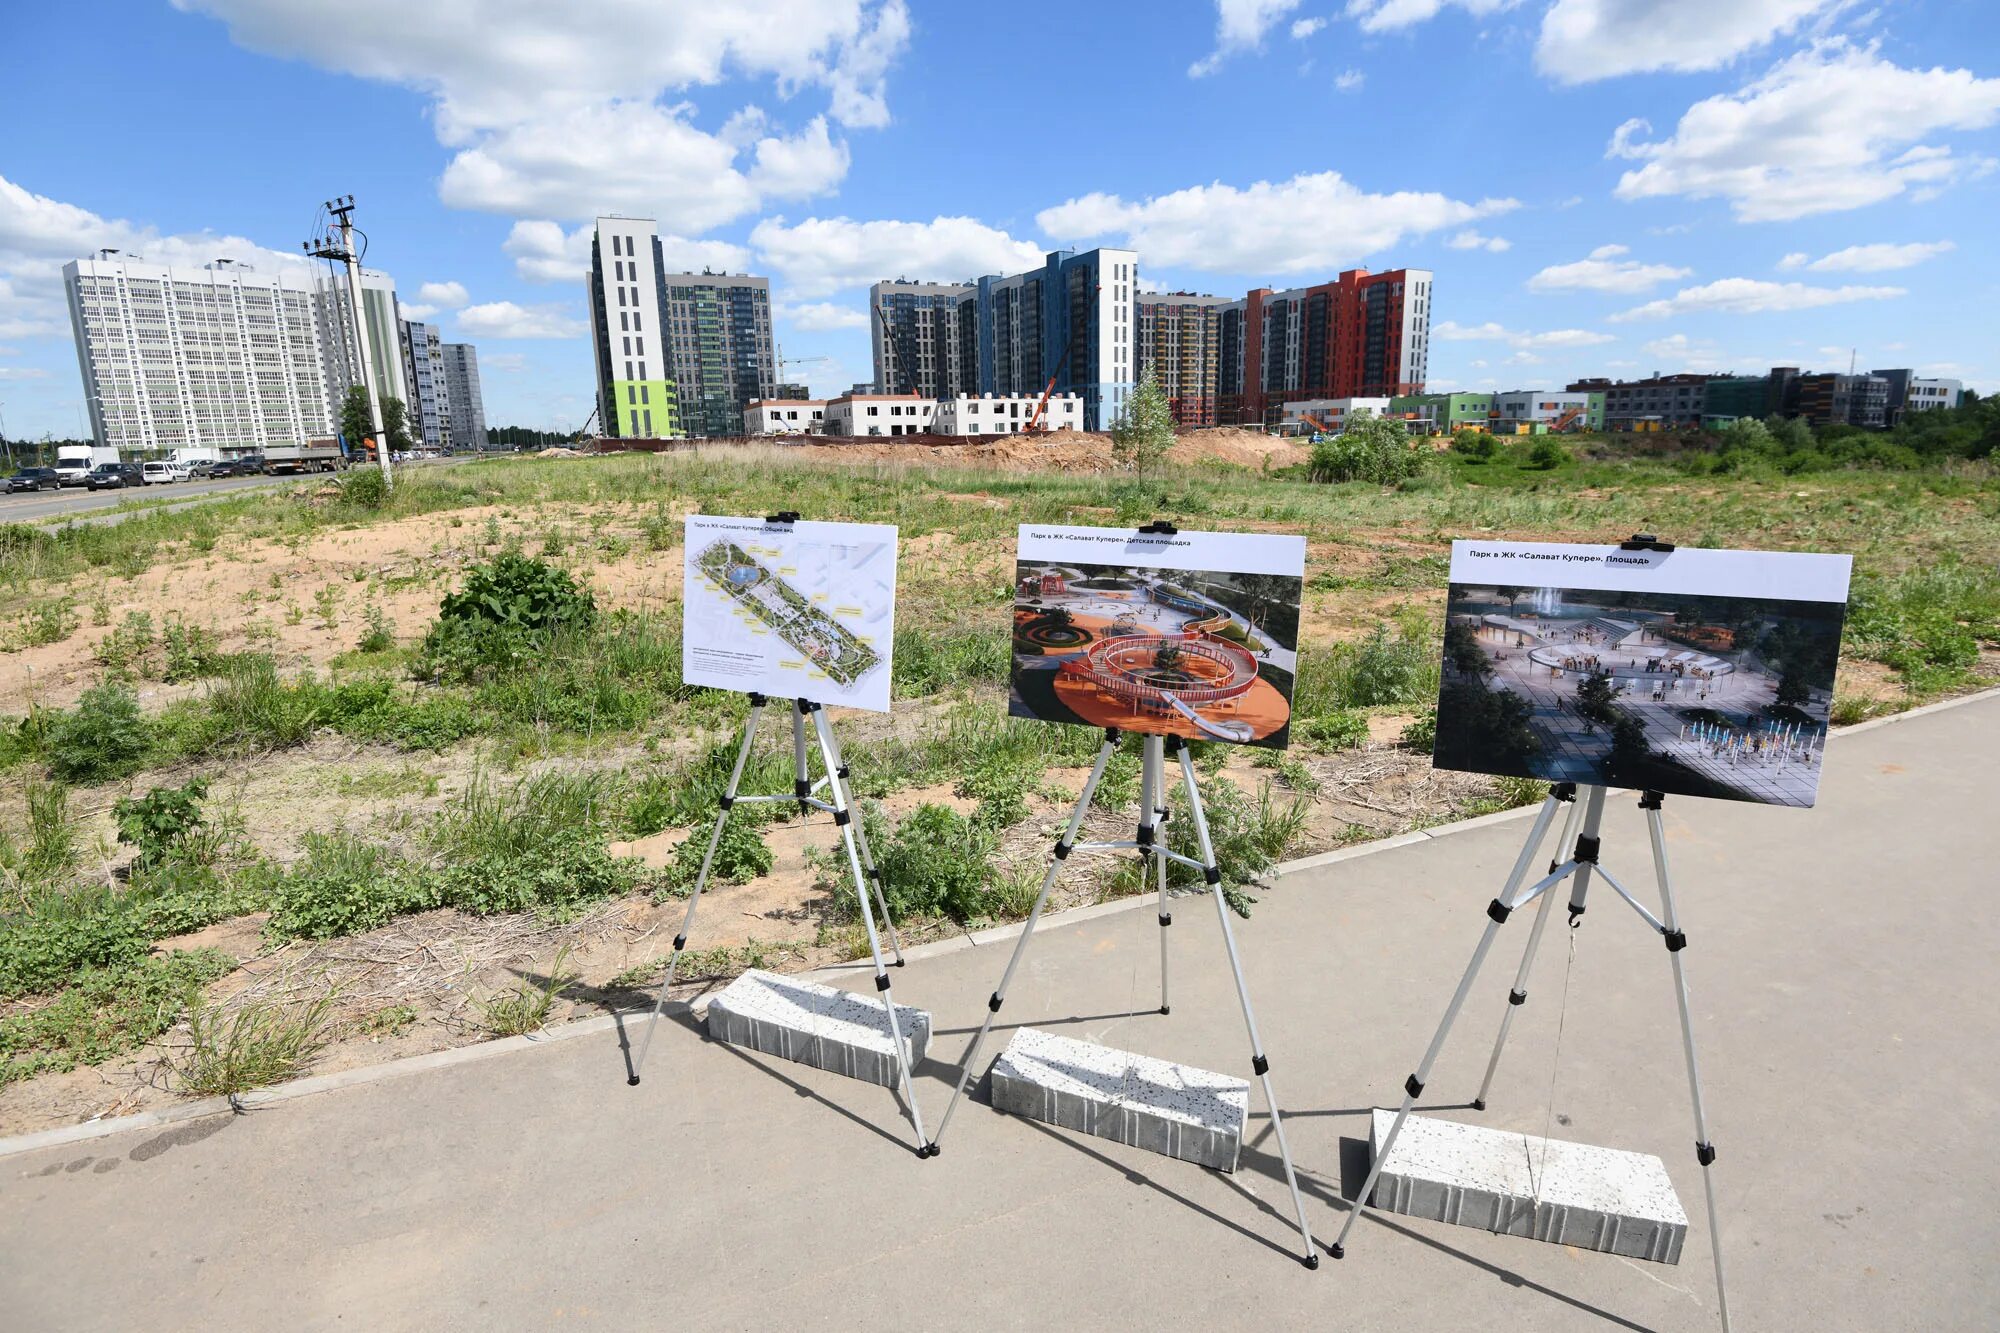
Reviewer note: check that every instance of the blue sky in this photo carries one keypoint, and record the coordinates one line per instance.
(1602, 186)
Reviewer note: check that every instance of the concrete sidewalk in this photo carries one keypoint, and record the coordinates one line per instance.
(1841, 961)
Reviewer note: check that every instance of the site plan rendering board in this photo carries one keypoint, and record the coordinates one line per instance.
(1190, 634)
(1696, 672)
(797, 610)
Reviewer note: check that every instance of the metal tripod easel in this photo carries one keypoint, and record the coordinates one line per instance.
(854, 838)
(1154, 856)
(1579, 868)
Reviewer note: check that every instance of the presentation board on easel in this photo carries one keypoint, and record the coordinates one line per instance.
(1189, 634)
(1675, 671)
(796, 609)
(1690, 672)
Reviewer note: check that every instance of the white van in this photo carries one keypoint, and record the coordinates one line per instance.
(159, 474)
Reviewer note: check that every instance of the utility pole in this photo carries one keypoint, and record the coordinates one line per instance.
(338, 243)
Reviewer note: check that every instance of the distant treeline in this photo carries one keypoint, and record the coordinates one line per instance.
(526, 437)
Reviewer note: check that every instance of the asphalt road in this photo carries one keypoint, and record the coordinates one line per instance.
(56, 506)
(1840, 966)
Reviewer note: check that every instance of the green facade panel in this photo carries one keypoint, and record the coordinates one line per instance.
(645, 409)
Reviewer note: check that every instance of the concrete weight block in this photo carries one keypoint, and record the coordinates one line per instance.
(1175, 1110)
(1522, 1185)
(816, 1025)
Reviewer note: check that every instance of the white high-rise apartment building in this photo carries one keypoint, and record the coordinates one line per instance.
(220, 356)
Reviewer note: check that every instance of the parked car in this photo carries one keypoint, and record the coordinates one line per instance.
(205, 470)
(111, 476)
(161, 473)
(34, 479)
(249, 465)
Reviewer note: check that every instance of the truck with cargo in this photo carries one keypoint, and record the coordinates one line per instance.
(75, 461)
(317, 455)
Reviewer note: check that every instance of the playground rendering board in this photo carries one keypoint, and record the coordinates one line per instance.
(1192, 634)
(797, 610)
(1691, 672)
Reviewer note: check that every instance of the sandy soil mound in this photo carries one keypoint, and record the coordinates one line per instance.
(1061, 451)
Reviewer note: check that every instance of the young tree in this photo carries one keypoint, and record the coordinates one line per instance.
(396, 423)
(1144, 431)
(355, 423)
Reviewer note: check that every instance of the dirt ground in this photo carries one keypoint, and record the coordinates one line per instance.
(423, 983)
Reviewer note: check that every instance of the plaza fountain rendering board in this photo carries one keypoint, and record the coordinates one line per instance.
(1705, 676)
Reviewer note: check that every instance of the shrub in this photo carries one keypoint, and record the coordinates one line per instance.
(364, 487)
(181, 894)
(520, 593)
(1547, 454)
(1388, 670)
(103, 737)
(191, 651)
(741, 855)
(162, 821)
(1001, 786)
(541, 847)
(1474, 446)
(937, 863)
(1373, 449)
(1247, 837)
(125, 646)
(380, 636)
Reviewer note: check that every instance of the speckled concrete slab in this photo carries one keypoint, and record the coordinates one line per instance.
(1175, 1110)
(816, 1025)
(1593, 1198)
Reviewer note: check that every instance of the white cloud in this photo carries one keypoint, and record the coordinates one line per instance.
(824, 255)
(415, 310)
(1470, 239)
(505, 319)
(1677, 352)
(1240, 25)
(1796, 259)
(622, 157)
(1304, 28)
(1753, 296)
(443, 295)
(1384, 15)
(1450, 331)
(1605, 270)
(490, 64)
(1585, 40)
(821, 316)
(555, 117)
(807, 164)
(1879, 258)
(1305, 223)
(543, 252)
(39, 234)
(1831, 128)
(23, 373)
(1349, 81)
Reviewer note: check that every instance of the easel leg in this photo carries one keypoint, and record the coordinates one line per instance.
(700, 880)
(839, 775)
(1676, 941)
(1519, 995)
(1497, 912)
(999, 996)
(1153, 836)
(844, 817)
(1262, 1066)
